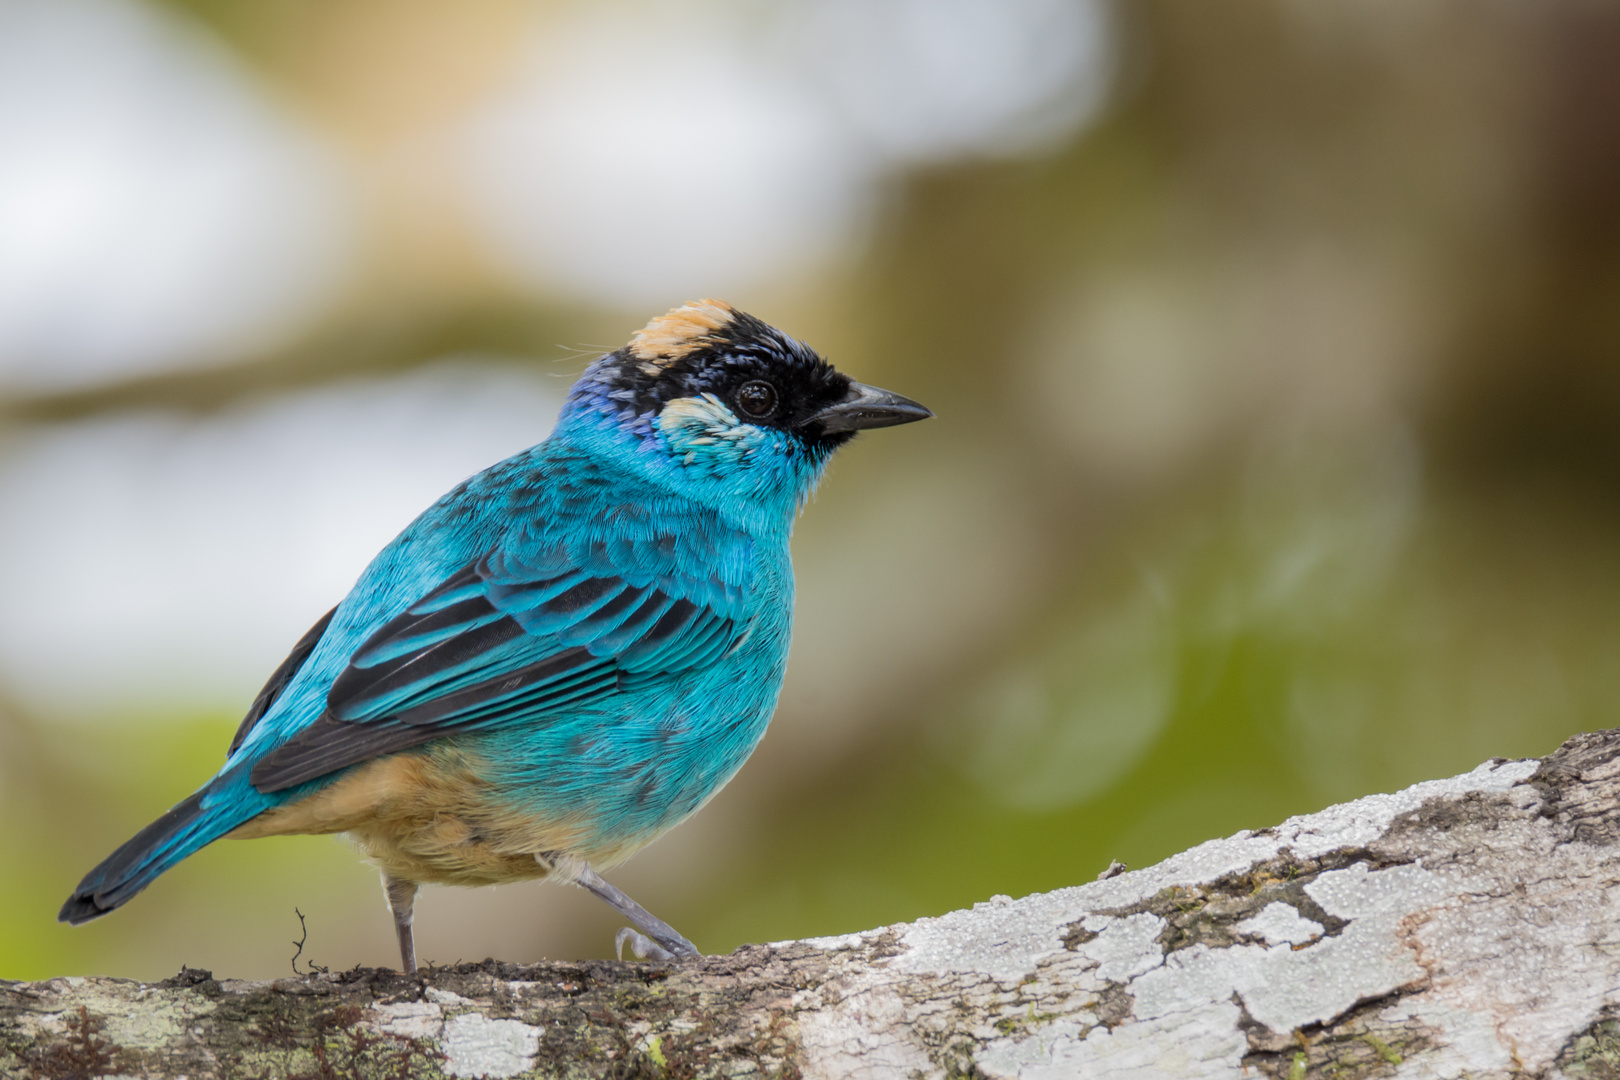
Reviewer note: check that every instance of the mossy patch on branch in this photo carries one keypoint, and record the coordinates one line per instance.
(1359, 1045)
(1593, 1054)
(724, 1016)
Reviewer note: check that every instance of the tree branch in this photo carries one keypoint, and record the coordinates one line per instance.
(1468, 926)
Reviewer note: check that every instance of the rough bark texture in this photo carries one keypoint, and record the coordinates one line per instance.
(1462, 927)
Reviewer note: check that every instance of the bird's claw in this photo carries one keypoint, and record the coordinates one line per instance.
(641, 946)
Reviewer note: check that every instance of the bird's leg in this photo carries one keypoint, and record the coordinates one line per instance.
(401, 901)
(661, 942)
(665, 943)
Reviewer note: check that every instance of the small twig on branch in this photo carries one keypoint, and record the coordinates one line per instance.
(304, 932)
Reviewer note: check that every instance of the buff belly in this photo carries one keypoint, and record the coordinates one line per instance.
(431, 817)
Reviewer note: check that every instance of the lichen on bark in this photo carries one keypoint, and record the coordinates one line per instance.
(1459, 927)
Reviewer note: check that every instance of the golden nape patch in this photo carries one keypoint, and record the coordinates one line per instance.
(681, 331)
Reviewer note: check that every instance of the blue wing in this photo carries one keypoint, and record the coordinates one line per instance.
(565, 615)
(279, 679)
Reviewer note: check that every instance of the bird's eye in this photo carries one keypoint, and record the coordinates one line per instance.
(756, 399)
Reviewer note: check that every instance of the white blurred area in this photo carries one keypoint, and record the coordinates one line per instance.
(925, 81)
(644, 155)
(156, 209)
(151, 560)
(162, 208)
(646, 151)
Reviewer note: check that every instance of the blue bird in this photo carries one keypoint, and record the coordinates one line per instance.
(566, 655)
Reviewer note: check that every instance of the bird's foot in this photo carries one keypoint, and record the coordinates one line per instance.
(642, 947)
(657, 938)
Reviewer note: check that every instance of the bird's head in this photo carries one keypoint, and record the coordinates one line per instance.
(726, 401)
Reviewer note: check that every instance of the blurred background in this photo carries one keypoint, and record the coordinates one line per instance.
(1273, 346)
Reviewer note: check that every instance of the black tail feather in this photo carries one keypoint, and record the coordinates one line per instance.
(133, 866)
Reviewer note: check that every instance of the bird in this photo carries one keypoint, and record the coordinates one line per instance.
(564, 656)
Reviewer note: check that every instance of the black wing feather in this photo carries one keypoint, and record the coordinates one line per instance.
(357, 686)
(482, 649)
(278, 681)
(328, 745)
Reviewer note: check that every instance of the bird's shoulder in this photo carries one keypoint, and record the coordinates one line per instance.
(566, 506)
(559, 486)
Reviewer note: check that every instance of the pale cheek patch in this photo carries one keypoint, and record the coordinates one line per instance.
(703, 434)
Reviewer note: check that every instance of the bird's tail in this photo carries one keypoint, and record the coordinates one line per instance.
(192, 824)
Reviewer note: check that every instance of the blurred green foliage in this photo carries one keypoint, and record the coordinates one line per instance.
(1295, 642)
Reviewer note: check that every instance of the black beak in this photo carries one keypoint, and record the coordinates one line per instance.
(867, 407)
